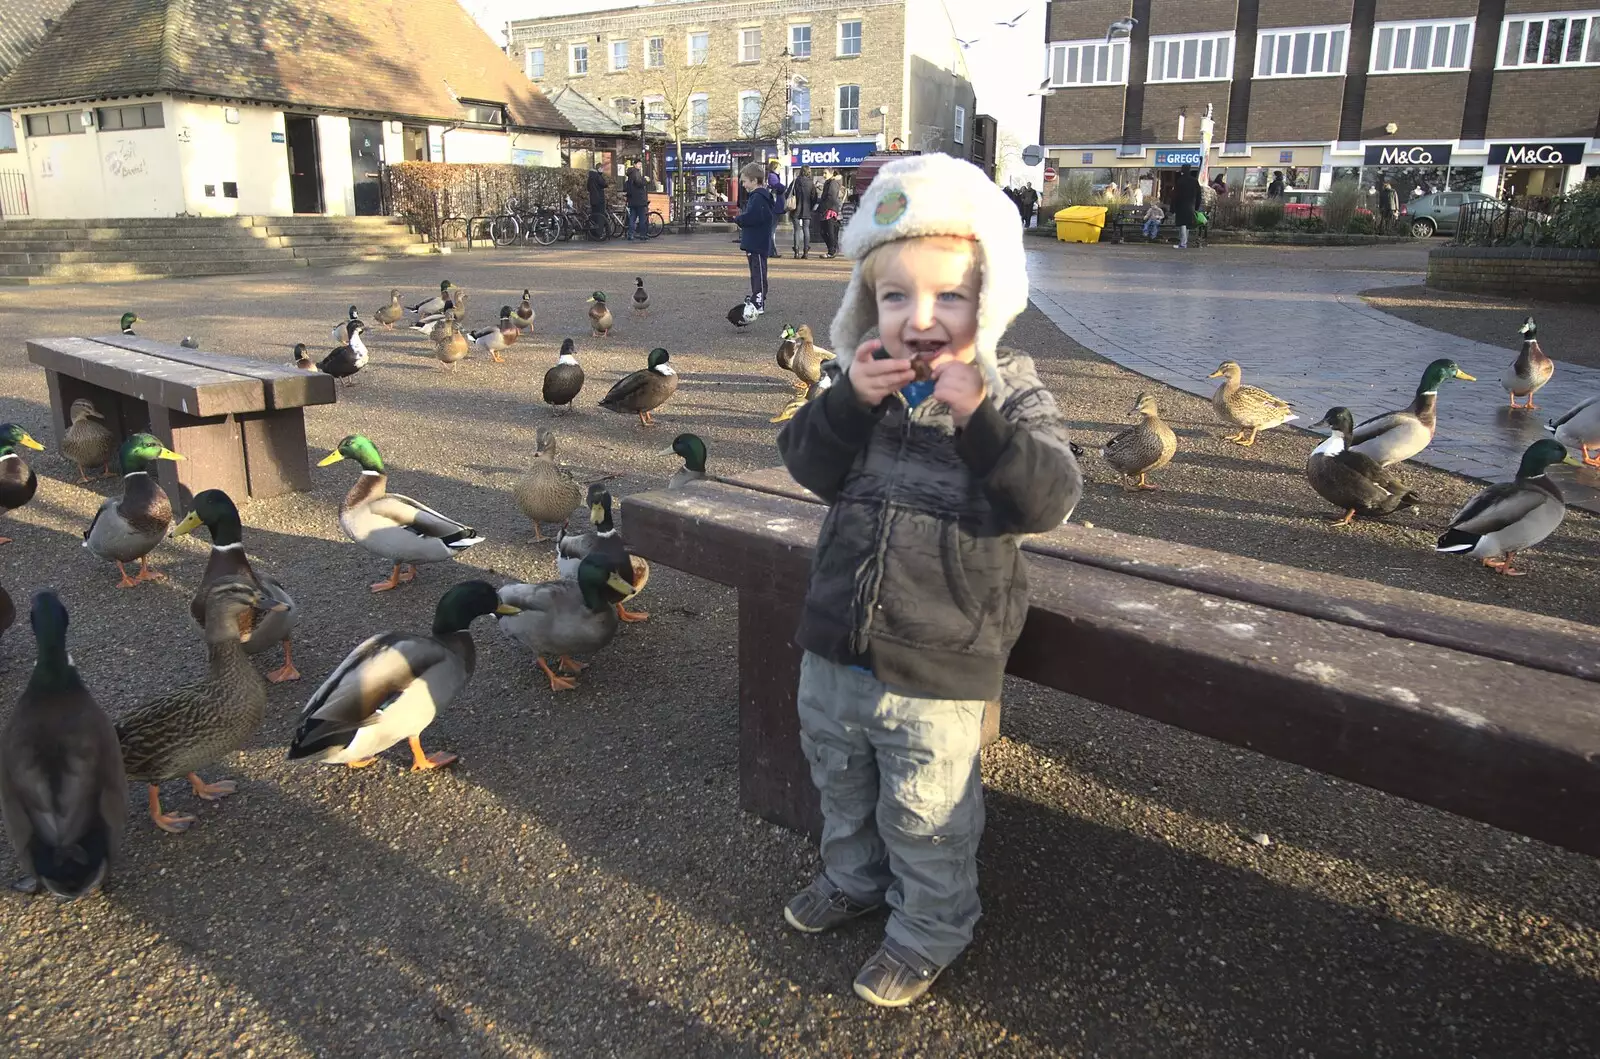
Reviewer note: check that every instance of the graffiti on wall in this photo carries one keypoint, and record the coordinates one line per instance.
(124, 160)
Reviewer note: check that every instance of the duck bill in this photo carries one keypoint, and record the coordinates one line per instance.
(597, 514)
(507, 609)
(277, 607)
(330, 459)
(1465, 377)
(190, 523)
(617, 583)
(27, 440)
(1320, 423)
(1573, 461)
(95, 414)
(168, 454)
(666, 451)
(1215, 375)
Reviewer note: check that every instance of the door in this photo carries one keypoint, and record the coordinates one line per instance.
(366, 155)
(305, 163)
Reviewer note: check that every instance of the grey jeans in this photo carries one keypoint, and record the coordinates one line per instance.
(801, 239)
(902, 801)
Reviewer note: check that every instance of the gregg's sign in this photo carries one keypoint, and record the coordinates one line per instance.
(1535, 153)
(1408, 154)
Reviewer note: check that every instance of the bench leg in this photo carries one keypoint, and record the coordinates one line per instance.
(275, 457)
(774, 779)
(212, 451)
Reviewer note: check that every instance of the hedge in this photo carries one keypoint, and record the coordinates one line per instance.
(426, 193)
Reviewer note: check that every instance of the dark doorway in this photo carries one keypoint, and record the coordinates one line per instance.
(366, 159)
(305, 166)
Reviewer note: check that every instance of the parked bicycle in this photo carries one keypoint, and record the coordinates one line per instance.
(540, 224)
(654, 223)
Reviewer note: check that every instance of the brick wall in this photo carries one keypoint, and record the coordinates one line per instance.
(1557, 275)
(1084, 115)
(1295, 109)
(1545, 102)
(1542, 7)
(1276, 13)
(1162, 103)
(1192, 16)
(1404, 10)
(1083, 19)
(1425, 106)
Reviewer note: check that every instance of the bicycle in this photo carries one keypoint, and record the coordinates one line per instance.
(654, 223)
(539, 223)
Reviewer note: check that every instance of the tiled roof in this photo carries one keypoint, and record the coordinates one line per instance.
(585, 114)
(22, 24)
(410, 58)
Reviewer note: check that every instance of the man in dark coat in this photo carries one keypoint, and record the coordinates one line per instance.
(1185, 201)
(597, 199)
(831, 203)
(637, 189)
(1275, 189)
(1030, 203)
(800, 195)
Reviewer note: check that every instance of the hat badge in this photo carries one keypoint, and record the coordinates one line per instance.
(890, 208)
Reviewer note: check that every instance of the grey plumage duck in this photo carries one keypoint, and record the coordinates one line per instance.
(566, 618)
(548, 492)
(88, 442)
(1530, 371)
(693, 451)
(129, 527)
(1353, 482)
(1510, 517)
(1148, 445)
(1580, 429)
(1396, 436)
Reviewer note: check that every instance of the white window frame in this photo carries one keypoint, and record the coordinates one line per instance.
(572, 60)
(839, 109)
(655, 110)
(704, 129)
(1588, 55)
(1337, 40)
(655, 52)
(749, 133)
(611, 55)
(1394, 46)
(1168, 59)
(744, 45)
(810, 40)
(794, 94)
(861, 35)
(527, 63)
(688, 47)
(959, 135)
(1066, 63)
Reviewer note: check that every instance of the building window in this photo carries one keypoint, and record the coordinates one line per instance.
(749, 113)
(1088, 62)
(1415, 47)
(55, 123)
(110, 119)
(622, 106)
(655, 52)
(579, 60)
(699, 48)
(960, 135)
(849, 119)
(1551, 40)
(750, 45)
(800, 109)
(1191, 57)
(699, 116)
(534, 63)
(619, 55)
(483, 113)
(1312, 52)
(655, 111)
(414, 143)
(850, 38)
(800, 42)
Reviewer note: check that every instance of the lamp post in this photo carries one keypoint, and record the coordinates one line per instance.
(883, 124)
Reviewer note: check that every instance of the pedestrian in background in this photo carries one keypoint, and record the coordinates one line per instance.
(1185, 203)
(1388, 203)
(1275, 189)
(1220, 186)
(832, 202)
(637, 190)
(800, 197)
(1153, 216)
(757, 222)
(597, 184)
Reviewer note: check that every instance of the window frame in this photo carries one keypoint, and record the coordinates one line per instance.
(527, 62)
(73, 119)
(743, 46)
(1588, 54)
(755, 94)
(959, 129)
(144, 114)
(839, 109)
(1394, 27)
(655, 110)
(572, 60)
(611, 56)
(1158, 57)
(1311, 32)
(655, 52)
(839, 38)
(470, 106)
(810, 43)
(1116, 56)
(688, 40)
(705, 130)
(793, 93)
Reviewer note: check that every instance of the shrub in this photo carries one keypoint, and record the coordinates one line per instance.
(1344, 198)
(1076, 190)
(1362, 224)
(1575, 221)
(1265, 216)
(1314, 225)
(425, 193)
(1228, 213)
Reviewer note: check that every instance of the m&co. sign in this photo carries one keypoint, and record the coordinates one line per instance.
(1408, 154)
(1535, 153)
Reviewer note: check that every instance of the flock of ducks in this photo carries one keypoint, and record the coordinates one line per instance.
(1354, 469)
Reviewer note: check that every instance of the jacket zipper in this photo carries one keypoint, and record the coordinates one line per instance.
(869, 578)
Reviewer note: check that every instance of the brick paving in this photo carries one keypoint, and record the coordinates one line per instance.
(1294, 320)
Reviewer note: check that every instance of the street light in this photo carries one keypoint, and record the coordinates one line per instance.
(883, 124)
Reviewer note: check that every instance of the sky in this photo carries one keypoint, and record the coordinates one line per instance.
(1006, 63)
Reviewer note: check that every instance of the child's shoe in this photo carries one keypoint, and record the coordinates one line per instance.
(823, 906)
(895, 976)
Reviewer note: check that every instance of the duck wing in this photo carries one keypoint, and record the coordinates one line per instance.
(369, 680)
(626, 389)
(418, 517)
(571, 548)
(1498, 507)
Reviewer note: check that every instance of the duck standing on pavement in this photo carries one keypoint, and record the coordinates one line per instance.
(1247, 407)
(1396, 436)
(1351, 481)
(1148, 445)
(524, 313)
(130, 526)
(341, 330)
(492, 340)
(599, 314)
(18, 483)
(88, 442)
(391, 312)
(1530, 371)
(435, 303)
(1580, 429)
(347, 359)
(564, 379)
(645, 390)
(641, 299)
(1510, 517)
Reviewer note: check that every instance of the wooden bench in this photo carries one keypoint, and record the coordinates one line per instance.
(239, 424)
(1126, 223)
(1485, 712)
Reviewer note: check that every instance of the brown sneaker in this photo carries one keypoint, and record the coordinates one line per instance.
(895, 976)
(823, 906)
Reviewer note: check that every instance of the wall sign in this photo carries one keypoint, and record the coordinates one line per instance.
(1285, 157)
(277, 137)
(1535, 153)
(1088, 158)
(1182, 156)
(1408, 154)
(844, 155)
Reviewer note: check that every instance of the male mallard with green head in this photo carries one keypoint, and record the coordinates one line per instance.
(603, 540)
(1510, 517)
(125, 325)
(693, 451)
(1247, 407)
(1530, 371)
(129, 527)
(1396, 436)
(599, 314)
(566, 618)
(18, 483)
(1148, 445)
(88, 442)
(548, 492)
(492, 340)
(645, 390)
(524, 313)
(1351, 481)
(429, 306)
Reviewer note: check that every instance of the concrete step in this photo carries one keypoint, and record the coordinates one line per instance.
(121, 254)
(320, 258)
(302, 242)
(142, 270)
(381, 234)
(117, 246)
(18, 224)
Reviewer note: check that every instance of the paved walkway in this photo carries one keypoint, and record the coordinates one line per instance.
(1292, 319)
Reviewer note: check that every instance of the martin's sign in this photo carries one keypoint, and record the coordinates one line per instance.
(1535, 153)
(1408, 154)
(843, 155)
(1179, 157)
(702, 156)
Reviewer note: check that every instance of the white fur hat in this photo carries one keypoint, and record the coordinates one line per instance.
(936, 194)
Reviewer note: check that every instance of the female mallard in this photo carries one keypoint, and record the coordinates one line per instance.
(1580, 429)
(565, 378)
(693, 451)
(393, 685)
(18, 483)
(566, 618)
(267, 624)
(1247, 407)
(1510, 517)
(1531, 370)
(449, 344)
(548, 492)
(341, 330)
(1146, 446)
(129, 528)
(492, 340)
(88, 442)
(830, 373)
(599, 314)
(524, 314)
(390, 314)
(643, 391)
(641, 299)
(63, 793)
(603, 540)
(198, 723)
(1353, 483)
(797, 353)
(1397, 436)
(398, 528)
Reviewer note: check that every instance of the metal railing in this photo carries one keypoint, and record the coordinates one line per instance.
(1491, 222)
(13, 195)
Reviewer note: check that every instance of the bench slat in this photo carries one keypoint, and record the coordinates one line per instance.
(286, 385)
(192, 390)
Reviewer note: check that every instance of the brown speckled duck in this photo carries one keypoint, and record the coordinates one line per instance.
(88, 442)
(548, 492)
(1146, 446)
(1247, 407)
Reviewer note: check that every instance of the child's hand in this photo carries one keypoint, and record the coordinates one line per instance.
(960, 386)
(874, 380)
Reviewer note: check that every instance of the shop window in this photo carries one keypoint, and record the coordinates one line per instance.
(1317, 51)
(850, 38)
(534, 63)
(699, 48)
(1193, 57)
(1417, 47)
(1088, 62)
(655, 52)
(619, 55)
(1551, 40)
(750, 45)
(799, 42)
(849, 119)
(111, 119)
(55, 123)
(579, 60)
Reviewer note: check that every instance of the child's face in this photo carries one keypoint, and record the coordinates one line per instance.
(748, 184)
(927, 292)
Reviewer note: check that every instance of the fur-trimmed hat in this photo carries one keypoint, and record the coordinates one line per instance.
(936, 194)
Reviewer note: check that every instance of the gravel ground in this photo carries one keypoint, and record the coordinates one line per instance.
(1567, 330)
(582, 883)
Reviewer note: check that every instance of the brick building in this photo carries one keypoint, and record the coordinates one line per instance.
(1461, 95)
(822, 82)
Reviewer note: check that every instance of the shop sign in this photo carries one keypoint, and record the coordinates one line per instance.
(843, 155)
(715, 156)
(1088, 158)
(1408, 154)
(1285, 157)
(1179, 157)
(1535, 153)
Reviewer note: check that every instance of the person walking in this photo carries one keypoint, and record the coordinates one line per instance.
(1275, 189)
(757, 222)
(1220, 185)
(801, 193)
(1388, 203)
(1030, 202)
(597, 184)
(832, 202)
(1185, 202)
(637, 189)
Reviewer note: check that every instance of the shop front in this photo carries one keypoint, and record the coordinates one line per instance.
(711, 170)
(1536, 171)
(842, 156)
(1414, 169)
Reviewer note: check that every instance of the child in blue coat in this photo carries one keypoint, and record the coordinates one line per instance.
(757, 222)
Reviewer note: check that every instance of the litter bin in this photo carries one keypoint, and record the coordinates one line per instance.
(1080, 224)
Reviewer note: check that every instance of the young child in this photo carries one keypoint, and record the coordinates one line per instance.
(757, 222)
(918, 589)
(1153, 217)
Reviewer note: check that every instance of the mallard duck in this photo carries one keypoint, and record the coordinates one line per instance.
(393, 685)
(566, 618)
(435, 303)
(1580, 429)
(349, 358)
(129, 528)
(1353, 483)
(1531, 370)
(599, 314)
(797, 353)
(602, 540)
(63, 793)
(524, 313)
(1148, 445)
(643, 391)
(492, 340)
(391, 312)
(267, 624)
(1249, 407)
(341, 330)
(193, 726)
(1396, 436)
(18, 483)
(88, 443)
(830, 373)
(693, 451)
(641, 299)
(302, 358)
(744, 314)
(398, 528)
(189, 342)
(455, 308)
(450, 346)
(1510, 517)
(565, 378)
(548, 492)
(125, 325)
